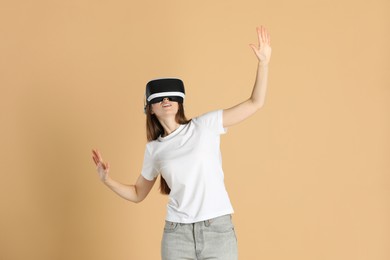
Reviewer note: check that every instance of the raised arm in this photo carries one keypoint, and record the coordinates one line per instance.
(135, 193)
(238, 113)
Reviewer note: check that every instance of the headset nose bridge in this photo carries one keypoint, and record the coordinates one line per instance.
(165, 99)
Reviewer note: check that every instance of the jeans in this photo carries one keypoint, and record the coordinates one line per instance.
(210, 239)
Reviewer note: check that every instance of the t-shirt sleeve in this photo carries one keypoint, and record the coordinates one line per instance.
(213, 120)
(149, 171)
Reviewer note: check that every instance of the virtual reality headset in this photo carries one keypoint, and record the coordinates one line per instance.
(158, 89)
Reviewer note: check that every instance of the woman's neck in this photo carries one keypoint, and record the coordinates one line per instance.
(169, 126)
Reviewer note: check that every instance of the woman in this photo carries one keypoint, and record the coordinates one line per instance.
(186, 154)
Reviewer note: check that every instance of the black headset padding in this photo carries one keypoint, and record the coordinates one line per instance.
(164, 85)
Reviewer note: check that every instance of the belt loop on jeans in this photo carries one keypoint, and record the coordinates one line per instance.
(207, 222)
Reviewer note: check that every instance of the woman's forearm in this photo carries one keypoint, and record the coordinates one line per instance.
(247, 108)
(127, 192)
(260, 87)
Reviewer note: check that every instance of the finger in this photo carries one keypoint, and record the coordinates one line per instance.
(105, 166)
(254, 48)
(263, 34)
(95, 160)
(95, 153)
(259, 35)
(99, 156)
(267, 36)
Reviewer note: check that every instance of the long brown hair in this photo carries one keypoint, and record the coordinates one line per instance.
(154, 129)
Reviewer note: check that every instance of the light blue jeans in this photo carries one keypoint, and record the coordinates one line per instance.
(210, 239)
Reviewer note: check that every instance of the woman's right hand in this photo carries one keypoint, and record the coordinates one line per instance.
(263, 52)
(102, 167)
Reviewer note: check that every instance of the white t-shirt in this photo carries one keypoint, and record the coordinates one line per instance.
(190, 161)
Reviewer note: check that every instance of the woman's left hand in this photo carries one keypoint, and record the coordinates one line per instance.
(102, 167)
(263, 51)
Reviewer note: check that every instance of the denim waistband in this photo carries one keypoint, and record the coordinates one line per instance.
(206, 222)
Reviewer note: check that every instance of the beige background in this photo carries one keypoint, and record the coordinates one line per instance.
(308, 175)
